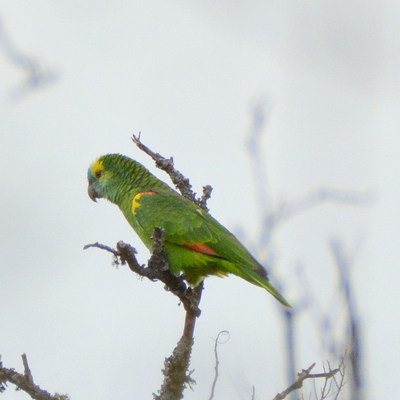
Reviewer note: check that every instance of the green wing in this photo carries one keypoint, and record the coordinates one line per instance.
(184, 223)
(177, 216)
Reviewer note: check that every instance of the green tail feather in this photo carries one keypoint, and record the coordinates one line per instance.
(253, 277)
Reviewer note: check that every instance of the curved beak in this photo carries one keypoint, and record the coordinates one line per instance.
(92, 192)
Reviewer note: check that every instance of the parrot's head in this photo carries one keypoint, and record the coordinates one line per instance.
(106, 176)
(113, 175)
(98, 176)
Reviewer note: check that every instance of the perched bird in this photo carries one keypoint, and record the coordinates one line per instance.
(196, 244)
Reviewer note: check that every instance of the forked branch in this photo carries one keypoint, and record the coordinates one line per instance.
(25, 382)
(302, 376)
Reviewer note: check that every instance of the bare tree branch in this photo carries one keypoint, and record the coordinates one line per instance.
(354, 353)
(176, 372)
(302, 376)
(179, 180)
(25, 382)
(156, 269)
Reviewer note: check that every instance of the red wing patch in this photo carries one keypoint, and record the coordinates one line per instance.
(202, 248)
(149, 192)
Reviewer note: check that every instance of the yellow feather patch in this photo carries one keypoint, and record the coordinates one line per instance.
(135, 202)
(96, 166)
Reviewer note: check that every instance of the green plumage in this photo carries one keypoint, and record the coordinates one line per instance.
(196, 244)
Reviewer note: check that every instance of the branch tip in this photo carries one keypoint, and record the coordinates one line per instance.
(178, 179)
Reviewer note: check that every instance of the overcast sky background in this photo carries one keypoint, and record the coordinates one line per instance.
(187, 75)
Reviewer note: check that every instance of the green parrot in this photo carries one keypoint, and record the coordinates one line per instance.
(196, 244)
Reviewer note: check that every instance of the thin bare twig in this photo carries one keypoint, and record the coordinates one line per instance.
(103, 247)
(216, 368)
(331, 387)
(355, 355)
(202, 202)
(302, 376)
(27, 370)
(339, 384)
(25, 382)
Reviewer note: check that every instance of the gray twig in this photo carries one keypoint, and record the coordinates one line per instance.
(355, 353)
(27, 370)
(25, 382)
(178, 179)
(216, 368)
(102, 247)
(202, 202)
(302, 376)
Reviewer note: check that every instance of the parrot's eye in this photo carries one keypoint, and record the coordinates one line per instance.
(98, 174)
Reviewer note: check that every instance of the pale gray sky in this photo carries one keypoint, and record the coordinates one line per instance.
(186, 75)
